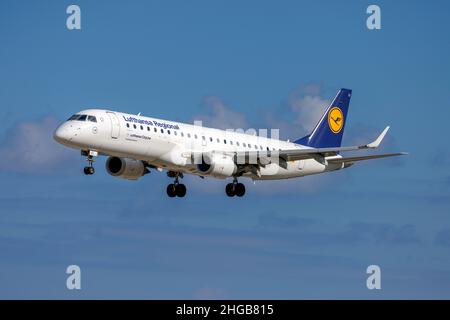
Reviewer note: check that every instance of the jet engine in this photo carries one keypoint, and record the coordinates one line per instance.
(125, 168)
(217, 165)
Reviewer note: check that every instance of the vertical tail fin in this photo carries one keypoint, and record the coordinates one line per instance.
(328, 132)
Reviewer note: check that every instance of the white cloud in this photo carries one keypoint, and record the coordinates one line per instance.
(308, 110)
(29, 147)
(219, 115)
(306, 106)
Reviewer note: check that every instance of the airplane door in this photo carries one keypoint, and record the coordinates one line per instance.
(115, 125)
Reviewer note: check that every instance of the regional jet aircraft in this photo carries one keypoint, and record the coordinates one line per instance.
(135, 145)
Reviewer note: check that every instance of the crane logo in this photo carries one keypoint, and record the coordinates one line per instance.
(335, 120)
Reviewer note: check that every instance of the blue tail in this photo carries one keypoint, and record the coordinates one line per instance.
(328, 132)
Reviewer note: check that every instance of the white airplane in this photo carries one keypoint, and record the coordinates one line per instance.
(135, 144)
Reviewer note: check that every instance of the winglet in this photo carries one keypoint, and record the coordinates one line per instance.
(380, 138)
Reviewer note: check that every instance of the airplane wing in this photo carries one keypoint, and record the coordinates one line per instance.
(307, 153)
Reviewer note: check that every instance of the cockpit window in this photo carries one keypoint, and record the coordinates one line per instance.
(74, 117)
(79, 117)
(82, 117)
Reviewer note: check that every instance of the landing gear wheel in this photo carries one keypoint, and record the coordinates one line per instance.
(230, 190)
(239, 189)
(171, 190)
(180, 190)
(176, 189)
(88, 170)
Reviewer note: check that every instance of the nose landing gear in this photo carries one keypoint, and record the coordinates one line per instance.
(176, 189)
(235, 188)
(89, 169)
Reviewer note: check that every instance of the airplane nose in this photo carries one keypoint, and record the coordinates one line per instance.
(62, 134)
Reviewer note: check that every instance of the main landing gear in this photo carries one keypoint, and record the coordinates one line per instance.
(176, 189)
(235, 189)
(89, 169)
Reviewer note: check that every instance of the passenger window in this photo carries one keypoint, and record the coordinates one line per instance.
(195, 136)
(162, 130)
(128, 125)
(218, 141)
(142, 128)
(244, 144)
(168, 131)
(148, 128)
(231, 142)
(175, 133)
(155, 129)
(182, 134)
(237, 143)
(189, 135)
(134, 126)
(210, 139)
(224, 141)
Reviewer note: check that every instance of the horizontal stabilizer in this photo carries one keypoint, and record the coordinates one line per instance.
(361, 158)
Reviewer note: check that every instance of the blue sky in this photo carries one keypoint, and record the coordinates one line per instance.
(262, 64)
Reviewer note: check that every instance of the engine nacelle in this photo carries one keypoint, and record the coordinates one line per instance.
(125, 168)
(218, 165)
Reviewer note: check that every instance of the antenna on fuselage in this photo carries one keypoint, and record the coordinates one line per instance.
(139, 114)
